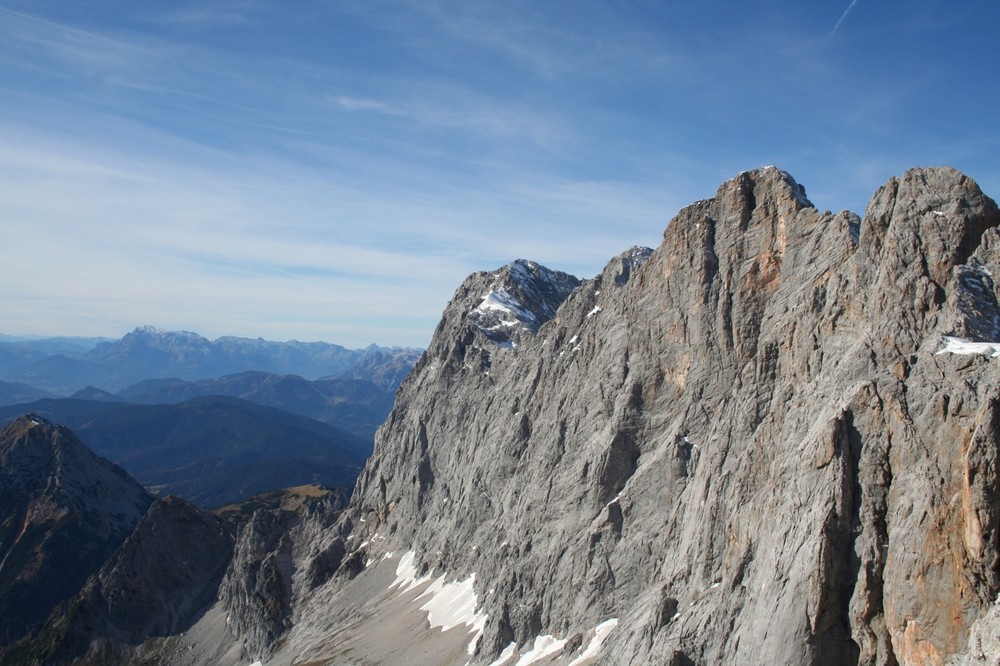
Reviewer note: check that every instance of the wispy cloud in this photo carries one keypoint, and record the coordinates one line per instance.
(163, 235)
(362, 104)
(203, 16)
(347, 164)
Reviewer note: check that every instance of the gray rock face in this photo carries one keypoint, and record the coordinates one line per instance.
(745, 446)
(283, 552)
(63, 511)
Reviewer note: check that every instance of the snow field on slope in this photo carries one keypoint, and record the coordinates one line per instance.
(500, 300)
(546, 646)
(447, 604)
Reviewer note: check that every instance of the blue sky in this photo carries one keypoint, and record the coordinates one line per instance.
(333, 170)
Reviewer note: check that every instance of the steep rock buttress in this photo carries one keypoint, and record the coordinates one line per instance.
(744, 447)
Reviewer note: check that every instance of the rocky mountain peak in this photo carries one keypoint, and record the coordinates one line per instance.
(935, 217)
(63, 510)
(765, 194)
(41, 458)
(620, 268)
(516, 299)
(157, 338)
(497, 310)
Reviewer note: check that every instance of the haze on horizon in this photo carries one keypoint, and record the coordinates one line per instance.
(334, 172)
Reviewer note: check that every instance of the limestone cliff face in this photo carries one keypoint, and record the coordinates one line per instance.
(284, 550)
(745, 446)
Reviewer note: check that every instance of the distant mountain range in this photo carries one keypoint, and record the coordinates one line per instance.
(210, 450)
(211, 421)
(12, 393)
(356, 405)
(62, 366)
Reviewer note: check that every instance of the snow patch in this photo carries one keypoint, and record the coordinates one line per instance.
(406, 573)
(601, 632)
(953, 345)
(447, 604)
(501, 301)
(506, 655)
(542, 647)
(597, 308)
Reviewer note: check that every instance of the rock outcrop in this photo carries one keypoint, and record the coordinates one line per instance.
(510, 303)
(284, 550)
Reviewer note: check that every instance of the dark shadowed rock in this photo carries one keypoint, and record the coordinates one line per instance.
(154, 586)
(285, 548)
(63, 511)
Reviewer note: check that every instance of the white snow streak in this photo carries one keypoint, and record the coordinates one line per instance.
(601, 632)
(447, 604)
(543, 647)
(953, 345)
(501, 301)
